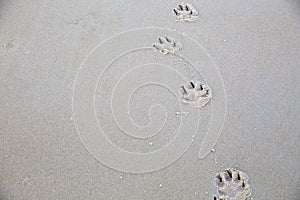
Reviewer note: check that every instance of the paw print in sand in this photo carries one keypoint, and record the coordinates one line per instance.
(196, 94)
(219, 198)
(186, 12)
(232, 184)
(168, 45)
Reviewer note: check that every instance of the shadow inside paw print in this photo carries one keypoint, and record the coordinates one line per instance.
(168, 45)
(196, 94)
(186, 12)
(232, 184)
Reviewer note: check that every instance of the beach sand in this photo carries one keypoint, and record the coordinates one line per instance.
(255, 46)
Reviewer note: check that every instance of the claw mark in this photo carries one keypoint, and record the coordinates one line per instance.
(229, 172)
(219, 198)
(186, 12)
(238, 177)
(196, 94)
(168, 45)
(232, 184)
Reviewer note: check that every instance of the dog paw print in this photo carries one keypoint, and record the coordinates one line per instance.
(186, 12)
(196, 94)
(232, 184)
(168, 45)
(219, 198)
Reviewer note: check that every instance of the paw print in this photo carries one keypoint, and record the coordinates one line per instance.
(196, 94)
(232, 184)
(186, 12)
(168, 45)
(219, 198)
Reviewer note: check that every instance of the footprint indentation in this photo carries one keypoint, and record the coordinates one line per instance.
(168, 45)
(196, 94)
(186, 12)
(232, 184)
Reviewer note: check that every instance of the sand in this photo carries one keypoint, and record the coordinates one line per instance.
(254, 46)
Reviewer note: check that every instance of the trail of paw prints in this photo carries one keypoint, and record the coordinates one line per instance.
(186, 12)
(168, 45)
(232, 184)
(196, 94)
(93, 129)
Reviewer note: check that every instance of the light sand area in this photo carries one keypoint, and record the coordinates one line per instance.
(255, 46)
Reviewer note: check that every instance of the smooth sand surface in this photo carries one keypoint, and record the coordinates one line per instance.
(254, 44)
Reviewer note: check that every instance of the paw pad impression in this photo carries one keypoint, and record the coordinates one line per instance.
(186, 12)
(168, 45)
(196, 94)
(232, 184)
